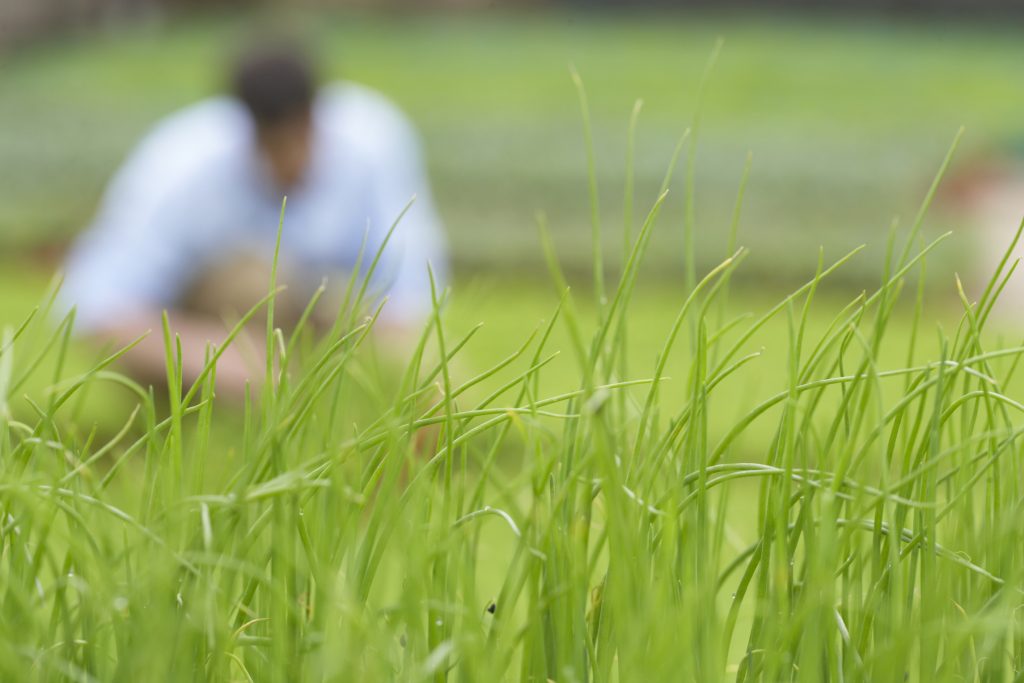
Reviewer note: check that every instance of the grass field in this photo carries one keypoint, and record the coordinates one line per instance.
(846, 120)
(701, 482)
(767, 498)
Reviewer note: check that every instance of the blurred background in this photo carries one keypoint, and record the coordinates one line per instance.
(847, 115)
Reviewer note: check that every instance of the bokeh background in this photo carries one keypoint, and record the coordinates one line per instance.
(846, 113)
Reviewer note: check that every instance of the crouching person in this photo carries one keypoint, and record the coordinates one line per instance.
(190, 222)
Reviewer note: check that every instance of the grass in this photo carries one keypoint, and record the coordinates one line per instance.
(670, 476)
(654, 520)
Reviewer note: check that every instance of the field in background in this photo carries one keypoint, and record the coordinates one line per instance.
(846, 122)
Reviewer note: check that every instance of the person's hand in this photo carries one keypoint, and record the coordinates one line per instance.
(241, 364)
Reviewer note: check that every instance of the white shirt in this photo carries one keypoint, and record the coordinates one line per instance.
(194, 191)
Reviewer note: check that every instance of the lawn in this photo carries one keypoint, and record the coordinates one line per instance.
(764, 497)
(670, 482)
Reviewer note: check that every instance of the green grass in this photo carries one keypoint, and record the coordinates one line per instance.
(823, 490)
(650, 481)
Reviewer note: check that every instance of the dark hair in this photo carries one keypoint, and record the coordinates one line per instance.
(275, 83)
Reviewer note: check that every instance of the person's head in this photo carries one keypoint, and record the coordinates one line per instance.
(277, 85)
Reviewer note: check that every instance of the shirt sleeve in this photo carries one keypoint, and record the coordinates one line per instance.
(141, 249)
(417, 246)
(134, 258)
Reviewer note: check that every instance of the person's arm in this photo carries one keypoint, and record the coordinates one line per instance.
(120, 285)
(417, 246)
(240, 365)
(134, 262)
